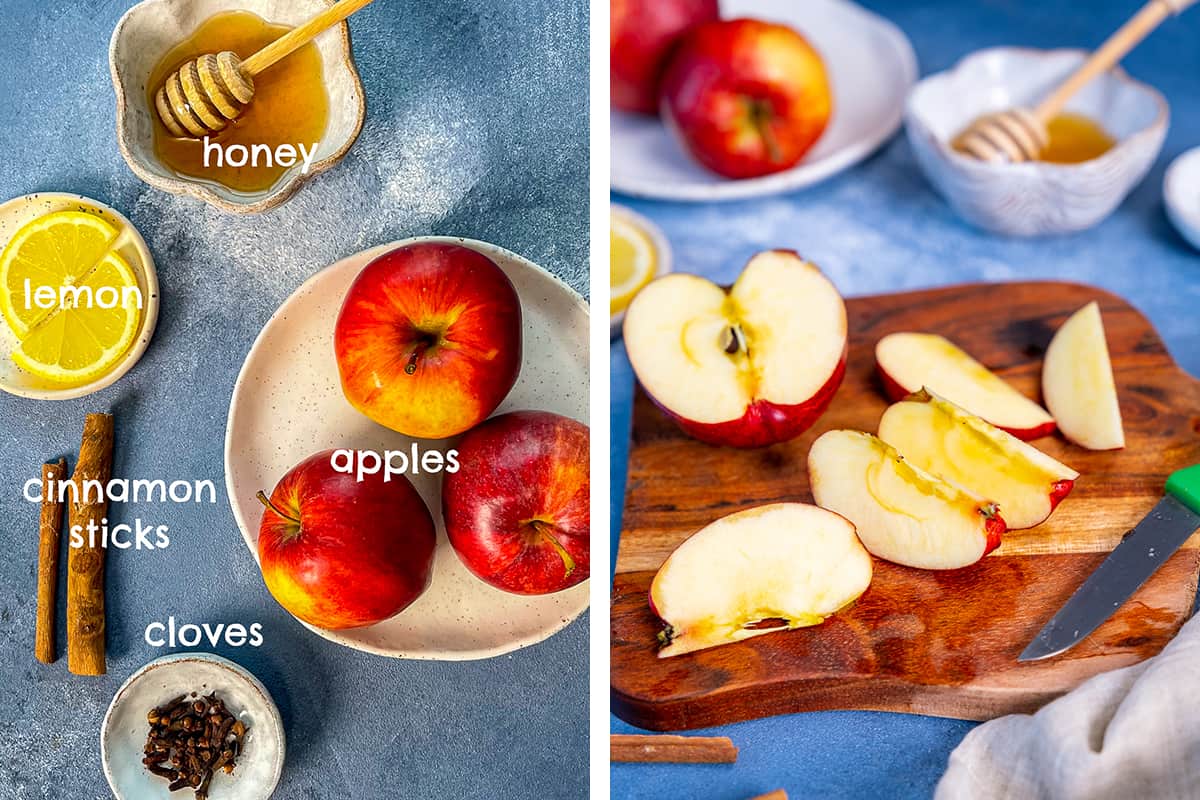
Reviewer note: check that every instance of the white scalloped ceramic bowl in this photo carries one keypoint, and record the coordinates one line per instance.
(1033, 198)
(151, 28)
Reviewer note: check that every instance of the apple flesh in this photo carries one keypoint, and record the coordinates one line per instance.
(428, 341)
(748, 367)
(902, 513)
(642, 34)
(341, 553)
(517, 510)
(1078, 384)
(909, 362)
(944, 440)
(745, 97)
(788, 565)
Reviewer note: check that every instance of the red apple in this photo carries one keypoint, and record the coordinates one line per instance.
(341, 553)
(428, 341)
(901, 512)
(745, 97)
(641, 35)
(748, 367)
(909, 362)
(517, 510)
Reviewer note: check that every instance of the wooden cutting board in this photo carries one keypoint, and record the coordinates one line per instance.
(939, 643)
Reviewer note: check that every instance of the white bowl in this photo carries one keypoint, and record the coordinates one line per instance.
(124, 730)
(1035, 197)
(151, 28)
(288, 403)
(14, 214)
(1181, 193)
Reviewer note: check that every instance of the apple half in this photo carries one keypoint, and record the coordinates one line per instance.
(902, 513)
(771, 568)
(909, 362)
(1078, 384)
(943, 439)
(748, 367)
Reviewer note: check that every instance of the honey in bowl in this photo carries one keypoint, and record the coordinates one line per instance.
(1075, 138)
(291, 105)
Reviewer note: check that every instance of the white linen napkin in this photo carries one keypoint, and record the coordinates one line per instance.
(1130, 733)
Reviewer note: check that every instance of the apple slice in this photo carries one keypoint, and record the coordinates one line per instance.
(787, 564)
(1078, 384)
(902, 513)
(943, 439)
(909, 362)
(749, 367)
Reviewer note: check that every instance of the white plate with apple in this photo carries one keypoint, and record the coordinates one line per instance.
(870, 65)
(288, 404)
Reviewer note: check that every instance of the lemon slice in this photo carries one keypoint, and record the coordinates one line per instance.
(55, 250)
(78, 344)
(633, 261)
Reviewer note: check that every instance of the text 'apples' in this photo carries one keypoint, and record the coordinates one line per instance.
(909, 362)
(642, 34)
(745, 97)
(517, 510)
(428, 341)
(748, 367)
(1078, 384)
(944, 440)
(788, 565)
(902, 513)
(342, 553)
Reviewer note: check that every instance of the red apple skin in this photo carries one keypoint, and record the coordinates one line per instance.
(343, 553)
(764, 423)
(517, 512)
(641, 36)
(1059, 490)
(895, 393)
(444, 311)
(995, 528)
(745, 97)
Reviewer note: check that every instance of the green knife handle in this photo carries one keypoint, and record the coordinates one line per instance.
(1184, 486)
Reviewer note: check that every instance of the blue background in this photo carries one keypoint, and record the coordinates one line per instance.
(475, 127)
(877, 228)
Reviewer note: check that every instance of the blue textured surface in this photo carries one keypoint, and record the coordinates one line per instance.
(476, 127)
(880, 228)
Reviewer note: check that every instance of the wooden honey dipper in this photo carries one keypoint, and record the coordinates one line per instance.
(207, 93)
(1020, 134)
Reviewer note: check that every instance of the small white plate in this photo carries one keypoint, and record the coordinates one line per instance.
(1181, 192)
(123, 733)
(871, 66)
(662, 250)
(129, 245)
(288, 404)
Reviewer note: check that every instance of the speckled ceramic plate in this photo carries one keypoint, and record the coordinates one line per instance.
(871, 66)
(130, 245)
(123, 733)
(288, 404)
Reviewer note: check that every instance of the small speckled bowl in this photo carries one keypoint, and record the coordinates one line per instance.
(123, 733)
(129, 245)
(1181, 193)
(151, 28)
(1035, 197)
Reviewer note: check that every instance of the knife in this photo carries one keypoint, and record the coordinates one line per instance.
(1138, 555)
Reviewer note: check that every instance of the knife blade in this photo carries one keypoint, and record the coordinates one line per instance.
(1135, 558)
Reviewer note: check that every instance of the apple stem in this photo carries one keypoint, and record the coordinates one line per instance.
(545, 530)
(266, 501)
(760, 118)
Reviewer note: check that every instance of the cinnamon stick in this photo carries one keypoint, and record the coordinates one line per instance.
(85, 565)
(672, 749)
(49, 546)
